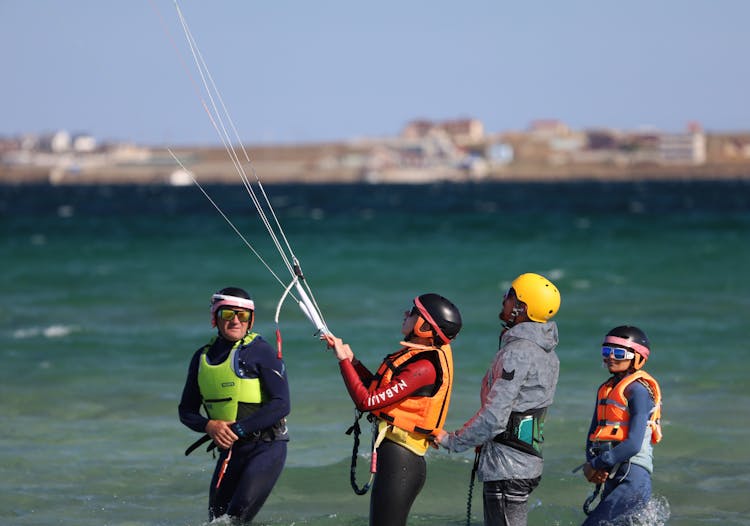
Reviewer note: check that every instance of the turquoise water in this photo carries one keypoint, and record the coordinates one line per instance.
(105, 293)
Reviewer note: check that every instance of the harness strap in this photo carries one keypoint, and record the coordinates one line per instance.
(618, 405)
(266, 435)
(526, 440)
(198, 443)
(379, 439)
(614, 423)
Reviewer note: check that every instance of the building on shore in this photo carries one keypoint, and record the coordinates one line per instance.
(426, 151)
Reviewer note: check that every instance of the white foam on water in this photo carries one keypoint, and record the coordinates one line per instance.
(53, 331)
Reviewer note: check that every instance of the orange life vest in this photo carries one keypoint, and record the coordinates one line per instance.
(423, 412)
(612, 413)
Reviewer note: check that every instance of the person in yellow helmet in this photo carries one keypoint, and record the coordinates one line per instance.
(516, 391)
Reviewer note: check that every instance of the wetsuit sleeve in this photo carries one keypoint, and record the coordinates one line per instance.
(592, 426)
(640, 405)
(363, 372)
(191, 401)
(412, 377)
(271, 372)
(508, 376)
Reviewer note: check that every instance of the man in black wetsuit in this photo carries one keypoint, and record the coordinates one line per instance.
(241, 383)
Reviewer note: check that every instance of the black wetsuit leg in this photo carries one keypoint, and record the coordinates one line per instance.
(251, 475)
(505, 501)
(400, 477)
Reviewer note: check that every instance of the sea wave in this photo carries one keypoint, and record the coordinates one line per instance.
(50, 332)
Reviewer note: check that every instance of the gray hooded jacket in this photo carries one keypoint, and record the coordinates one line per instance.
(523, 376)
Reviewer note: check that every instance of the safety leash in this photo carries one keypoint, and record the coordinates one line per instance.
(224, 467)
(591, 498)
(355, 451)
(477, 451)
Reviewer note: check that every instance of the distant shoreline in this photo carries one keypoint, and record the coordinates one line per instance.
(269, 174)
(346, 163)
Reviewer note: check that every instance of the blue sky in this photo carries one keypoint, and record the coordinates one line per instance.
(309, 71)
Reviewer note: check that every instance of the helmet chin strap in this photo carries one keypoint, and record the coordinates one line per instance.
(517, 309)
(414, 333)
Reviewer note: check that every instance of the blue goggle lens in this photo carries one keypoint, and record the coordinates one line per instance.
(617, 353)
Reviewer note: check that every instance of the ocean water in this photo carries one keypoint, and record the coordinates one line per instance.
(105, 297)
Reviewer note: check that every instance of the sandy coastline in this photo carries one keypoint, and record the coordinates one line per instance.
(331, 164)
(272, 174)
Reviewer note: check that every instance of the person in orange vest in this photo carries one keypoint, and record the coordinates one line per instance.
(624, 427)
(407, 399)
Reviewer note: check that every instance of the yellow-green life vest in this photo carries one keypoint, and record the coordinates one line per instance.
(227, 396)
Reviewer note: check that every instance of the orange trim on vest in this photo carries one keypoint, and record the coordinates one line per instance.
(612, 412)
(425, 413)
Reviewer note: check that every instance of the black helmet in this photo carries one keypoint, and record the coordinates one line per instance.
(440, 313)
(632, 338)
